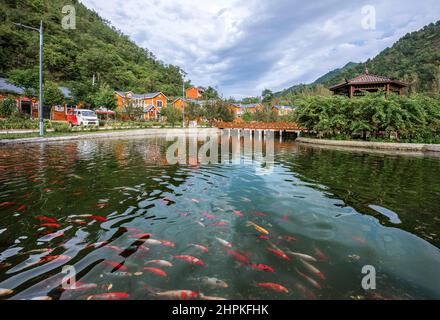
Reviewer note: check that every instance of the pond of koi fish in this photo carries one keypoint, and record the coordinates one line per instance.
(113, 219)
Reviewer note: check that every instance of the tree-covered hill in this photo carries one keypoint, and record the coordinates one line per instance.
(415, 59)
(72, 57)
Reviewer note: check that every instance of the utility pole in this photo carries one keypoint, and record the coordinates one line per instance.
(40, 104)
(183, 98)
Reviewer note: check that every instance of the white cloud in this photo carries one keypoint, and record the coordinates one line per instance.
(245, 46)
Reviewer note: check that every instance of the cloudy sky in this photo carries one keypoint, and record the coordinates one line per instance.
(244, 46)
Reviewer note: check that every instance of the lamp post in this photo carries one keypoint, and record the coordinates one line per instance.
(40, 113)
(183, 98)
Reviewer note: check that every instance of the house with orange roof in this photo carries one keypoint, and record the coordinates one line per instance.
(151, 103)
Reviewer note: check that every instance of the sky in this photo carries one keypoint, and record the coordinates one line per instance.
(242, 47)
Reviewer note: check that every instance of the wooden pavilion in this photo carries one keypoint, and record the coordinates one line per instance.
(370, 83)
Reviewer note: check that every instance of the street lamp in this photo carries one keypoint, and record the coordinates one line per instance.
(40, 31)
(183, 97)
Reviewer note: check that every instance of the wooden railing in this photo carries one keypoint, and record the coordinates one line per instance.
(282, 126)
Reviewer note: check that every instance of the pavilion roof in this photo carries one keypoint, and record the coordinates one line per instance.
(368, 78)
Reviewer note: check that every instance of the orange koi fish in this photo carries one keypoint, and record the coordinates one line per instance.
(50, 225)
(46, 219)
(156, 271)
(98, 218)
(257, 227)
(279, 253)
(262, 267)
(239, 256)
(237, 213)
(208, 216)
(273, 286)
(21, 208)
(219, 224)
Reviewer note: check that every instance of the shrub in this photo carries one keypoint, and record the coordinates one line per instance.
(7, 107)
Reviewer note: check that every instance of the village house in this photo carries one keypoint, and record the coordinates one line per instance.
(151, 103)
(283, 110)
(368, 83)
(194, 93)
(238, 109)
(30, 105)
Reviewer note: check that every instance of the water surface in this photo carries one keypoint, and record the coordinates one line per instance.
(346, 209)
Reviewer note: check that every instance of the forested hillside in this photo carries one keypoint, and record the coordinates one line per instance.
(415, 59)
(72, 57)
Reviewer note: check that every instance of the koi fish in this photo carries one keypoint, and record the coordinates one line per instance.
(134, 230)
(262, 267)
(79, 221)
(203, 297)
(190, 259)
(50, 225)
(4, 265)
(313, 269)
(152, 242)
(213, 282)
(53, 258)
(321, 255)
(264, 238)
(305, 292)
(261, 214)
(109, 296)
(177, 294)
(115, 249)
(302, 256)
(167, 243)
(257, 227)
(239, 256)
(5, 292)
(21, 208)
(273, 286)
(288, 238)
(195, 200)
(237, 213)
(46, 219)
(224, 243)
(201, 224)
(80, 286)
(161, 263)
(41, 298)
(208, 216)
(116, 265)
(156, 271)
(47, 250)
(285, 217)
(141, 235)
(279, 253)
(310, 280)
(102, 205)
(219, 224)
(200, 247)
(7, 204)
(97, 218)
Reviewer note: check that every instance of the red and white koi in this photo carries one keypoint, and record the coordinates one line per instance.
(190, 259)
(109, 296)
(208, 216)
(213, 282)
(313, 269)
(7, 204)
(167, 243)
(308, 279)
(21, 208)
(50, 225)
(302, 256)
(288, 238)
(177, 295)
(200, 247)
(161, 263)
(212, 298)
(224, 243)
(237, 213)
(321, 255)
(46, 219)
(273, 286)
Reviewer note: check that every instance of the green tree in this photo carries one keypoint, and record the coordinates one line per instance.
(7, 107)
(172, 115)
(52, 95)
(104, 97)
(267, 96)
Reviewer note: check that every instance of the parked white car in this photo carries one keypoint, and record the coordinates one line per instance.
(83, 117)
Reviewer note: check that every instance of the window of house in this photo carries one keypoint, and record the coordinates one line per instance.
(159, 104)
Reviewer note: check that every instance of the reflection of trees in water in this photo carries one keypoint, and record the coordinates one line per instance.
(409, 186)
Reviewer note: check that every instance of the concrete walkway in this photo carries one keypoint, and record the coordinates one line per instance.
(120, 134)
(416, 147)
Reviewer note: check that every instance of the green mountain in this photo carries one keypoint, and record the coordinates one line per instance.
(415, 59)
(73, 57)
(322, 80)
